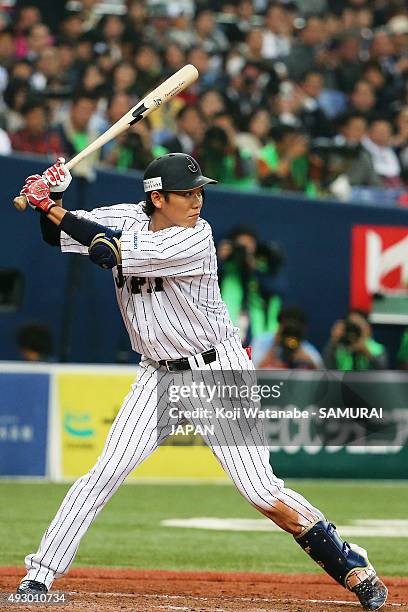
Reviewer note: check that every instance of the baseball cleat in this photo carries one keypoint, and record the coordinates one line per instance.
(372, 593)
(31, 587)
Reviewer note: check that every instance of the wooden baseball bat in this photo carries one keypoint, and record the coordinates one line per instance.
(164, 92)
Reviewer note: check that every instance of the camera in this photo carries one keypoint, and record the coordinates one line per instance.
(328, 147)
(352, 333)
(291, 336)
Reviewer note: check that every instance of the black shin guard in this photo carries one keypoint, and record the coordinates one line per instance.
(339, 559)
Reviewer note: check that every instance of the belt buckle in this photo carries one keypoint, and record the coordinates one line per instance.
(166, 364)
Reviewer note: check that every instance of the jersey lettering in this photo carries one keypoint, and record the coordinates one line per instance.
(137, 282)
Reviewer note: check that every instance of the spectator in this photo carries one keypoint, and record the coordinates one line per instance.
(283, 163)
(352, 347)
(349, 66)
(351, 158)
(35, 342)
(39, 10)
(181, 30)
(363, 99)
(35, 136)
(93, 82)
(189, 132)
(5, 144)
(398, 30)
(47, 70)
(175, 58)
(400, 141)
(287, 347)
(402, 356)
(310, 113)
(386, 91)
(158, 26)
(385, 161)
(38, 39)
(256, 137)
(7, 54)
(77, 132)
(206, 69)
(247, 90)
(208, 35)
(137, 16)
(210, 103)
(123, 78)
(72, 28)
(148, 66)
(133, 149)
(220, 157)
(239, 19)
(276, 39)
(112, 29)
(249, 282)
(303, 53)
(252, 49)
(15, 98)
(27, 17)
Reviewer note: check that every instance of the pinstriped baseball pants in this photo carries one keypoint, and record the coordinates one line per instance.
(135, 434)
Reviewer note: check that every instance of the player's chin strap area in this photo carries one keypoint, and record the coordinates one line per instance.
(346, 563)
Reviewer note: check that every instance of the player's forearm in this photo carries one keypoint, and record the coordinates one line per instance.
(56, 214)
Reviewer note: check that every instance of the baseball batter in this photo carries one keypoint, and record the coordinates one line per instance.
(164, 266)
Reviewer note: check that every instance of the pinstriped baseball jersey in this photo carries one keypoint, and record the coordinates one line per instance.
(169, 298)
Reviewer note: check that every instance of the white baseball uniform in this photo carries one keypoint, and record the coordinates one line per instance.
(172, 308)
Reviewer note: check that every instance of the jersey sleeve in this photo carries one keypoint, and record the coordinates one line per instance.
(109, 216)
(175, 251)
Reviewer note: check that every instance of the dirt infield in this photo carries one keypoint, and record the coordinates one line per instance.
(103, 590)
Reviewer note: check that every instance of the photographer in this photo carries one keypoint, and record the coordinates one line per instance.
(283, 163)
(345, 162)
(288, 348)
(219, 155)
(352, 347)
(133, 149)
(249, 283)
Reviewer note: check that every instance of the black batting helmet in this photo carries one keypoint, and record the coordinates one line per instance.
(174, 172)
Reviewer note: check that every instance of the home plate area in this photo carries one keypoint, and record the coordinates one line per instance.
(98, 589)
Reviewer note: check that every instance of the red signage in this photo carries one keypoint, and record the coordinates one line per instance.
(379, 263)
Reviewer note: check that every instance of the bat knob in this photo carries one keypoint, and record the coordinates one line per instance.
(20, 202)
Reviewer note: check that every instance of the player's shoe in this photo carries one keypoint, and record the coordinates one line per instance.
(31, 587)
(372, 593)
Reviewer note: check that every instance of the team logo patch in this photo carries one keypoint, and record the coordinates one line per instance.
(152, 183)
(192, 166)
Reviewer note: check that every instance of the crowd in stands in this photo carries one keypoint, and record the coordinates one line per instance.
(297, 95)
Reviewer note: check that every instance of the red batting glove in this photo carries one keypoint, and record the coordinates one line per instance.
(37, 193)
(30, 179)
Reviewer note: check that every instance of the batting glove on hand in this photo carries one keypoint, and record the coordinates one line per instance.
(58, 177)
(37, 193)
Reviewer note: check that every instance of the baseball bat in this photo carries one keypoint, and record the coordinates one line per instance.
(176, 83)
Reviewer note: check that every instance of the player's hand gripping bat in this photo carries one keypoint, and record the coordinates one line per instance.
(164, 92)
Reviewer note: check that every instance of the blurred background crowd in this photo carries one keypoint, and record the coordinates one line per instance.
(296, 95)
(306, 96)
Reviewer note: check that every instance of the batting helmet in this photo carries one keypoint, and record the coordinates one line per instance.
(174, 172)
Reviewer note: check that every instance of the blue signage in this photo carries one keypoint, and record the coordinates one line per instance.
(23, 424)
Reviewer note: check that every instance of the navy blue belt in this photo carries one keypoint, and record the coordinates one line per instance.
(179, 365)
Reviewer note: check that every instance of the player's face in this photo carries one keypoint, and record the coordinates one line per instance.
(181, 208)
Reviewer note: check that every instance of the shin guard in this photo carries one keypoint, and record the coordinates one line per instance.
(346, 563)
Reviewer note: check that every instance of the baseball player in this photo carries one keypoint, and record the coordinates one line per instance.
(162, 256)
